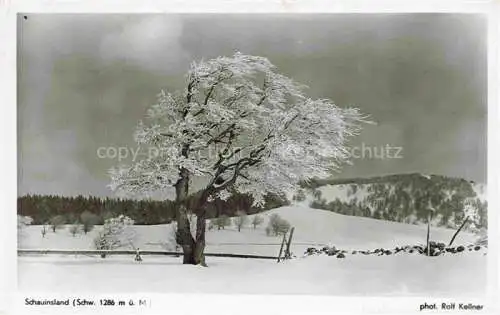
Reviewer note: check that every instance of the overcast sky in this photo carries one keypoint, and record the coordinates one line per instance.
(85, 80)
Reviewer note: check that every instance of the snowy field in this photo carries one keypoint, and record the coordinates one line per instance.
(460, 275)
(401, 274)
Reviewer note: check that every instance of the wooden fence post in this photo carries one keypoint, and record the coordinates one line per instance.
(287, 251)
(428, 232)
(458, 231)
(429, 219)
(281, 248)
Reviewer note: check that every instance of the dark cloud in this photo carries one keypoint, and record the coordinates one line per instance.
(85, 80)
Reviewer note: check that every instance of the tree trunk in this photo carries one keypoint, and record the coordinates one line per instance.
(201, 226)
(183, 235)
(193, 248)
(185, 239)
(217, 208)
(199, 249)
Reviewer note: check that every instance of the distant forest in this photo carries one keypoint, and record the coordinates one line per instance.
(41, 208)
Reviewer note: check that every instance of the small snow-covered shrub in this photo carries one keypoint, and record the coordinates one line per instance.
(74, 229)
(240, 220)
(88, 220)
(268, 230)
(44, 230)
(116, 233)
(222, 221)
(56, 222)
(278, 225)
(319, 204)
(107, 214)
(22, 222)
(317, 194)
(300, 196)
(211, 225)
(257, 220)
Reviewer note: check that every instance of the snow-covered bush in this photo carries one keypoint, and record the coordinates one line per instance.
(74, 229)
(268, 230)
(210, 225)
(278, 225)
(240, 220)
(56, 222)
(257, 220)
(115, 233)
(300, 195)
(222, 221)
(44, 230)
(317, 194)
(107, 214)
(88, 220)
(22, 222)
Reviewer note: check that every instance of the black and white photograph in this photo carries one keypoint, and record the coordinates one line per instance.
(339, 155)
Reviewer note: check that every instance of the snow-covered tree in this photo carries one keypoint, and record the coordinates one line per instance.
(300, 195)
(211, 225)
(56, 222)
(43, 230)
(240, 220)
(22, 222)
(74, 229)
(238, 125)
(257, 220)
(88, 220)
(222, 221)
(115, 233)
(278, 225)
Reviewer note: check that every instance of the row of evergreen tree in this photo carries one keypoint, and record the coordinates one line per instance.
(42, 208)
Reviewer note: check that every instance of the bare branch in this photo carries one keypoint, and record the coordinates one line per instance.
(288, 123)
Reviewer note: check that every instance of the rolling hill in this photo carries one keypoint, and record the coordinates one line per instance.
(404, 198)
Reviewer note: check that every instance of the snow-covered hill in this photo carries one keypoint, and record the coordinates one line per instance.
(404, 198)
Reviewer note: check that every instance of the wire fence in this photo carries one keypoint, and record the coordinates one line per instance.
(284, 245)
(21, 252)
(253, 244)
